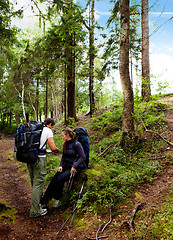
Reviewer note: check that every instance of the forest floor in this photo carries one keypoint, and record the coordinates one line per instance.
(16, 191)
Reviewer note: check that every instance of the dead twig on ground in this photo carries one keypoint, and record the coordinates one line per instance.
(156, 158)
(98, 231)
(100, 237)
(150, 131)
(105, 150)
(132, 216)
(110, 220)
(171, 144)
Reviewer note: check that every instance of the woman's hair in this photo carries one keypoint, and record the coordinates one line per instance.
(71, 134)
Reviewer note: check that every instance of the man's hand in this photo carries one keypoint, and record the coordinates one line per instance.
(56, 151)
(73, 171)
(50, 151)
(60, 169)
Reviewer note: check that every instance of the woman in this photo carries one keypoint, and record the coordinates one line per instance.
(73, 155)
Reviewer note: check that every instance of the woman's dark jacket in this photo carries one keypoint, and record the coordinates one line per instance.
(74, 154)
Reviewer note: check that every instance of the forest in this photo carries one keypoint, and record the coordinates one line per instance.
(60, 72)
(59, 69)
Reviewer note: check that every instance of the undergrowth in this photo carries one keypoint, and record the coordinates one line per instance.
(161, 224)
(113, 175)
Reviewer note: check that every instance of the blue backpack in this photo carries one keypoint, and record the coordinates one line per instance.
(27, 141)
(82, 137)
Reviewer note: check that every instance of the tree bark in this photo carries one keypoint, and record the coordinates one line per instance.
(91, 56)
(70, 55)
(22, 101)
(21, 96)
(37, 99)
(65, 94)
(46, 109)
(128, 106)
(146, 89)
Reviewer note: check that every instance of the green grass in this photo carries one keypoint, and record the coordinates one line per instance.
(156, 222)
(114, 175)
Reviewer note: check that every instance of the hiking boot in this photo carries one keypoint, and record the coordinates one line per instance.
(43, 211)
(56, 203)
(43, 206)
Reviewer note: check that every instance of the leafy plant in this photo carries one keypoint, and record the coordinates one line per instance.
(114, 174)
(108, 121)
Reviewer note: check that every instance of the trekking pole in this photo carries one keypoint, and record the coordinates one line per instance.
(79, 197)
(74, 210)
(70, 182)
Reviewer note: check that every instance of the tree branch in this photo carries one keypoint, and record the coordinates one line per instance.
(110, 220)
(95, 238)
(98, 231)
(105, 150)
(132, 216)
(171, 144)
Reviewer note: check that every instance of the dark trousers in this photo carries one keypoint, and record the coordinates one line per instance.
(55, 188)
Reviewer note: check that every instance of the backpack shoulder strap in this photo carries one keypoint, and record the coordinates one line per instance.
(40, 137)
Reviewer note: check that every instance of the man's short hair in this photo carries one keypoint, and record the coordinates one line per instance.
(49, 120)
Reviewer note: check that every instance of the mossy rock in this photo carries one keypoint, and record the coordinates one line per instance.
(7, 212)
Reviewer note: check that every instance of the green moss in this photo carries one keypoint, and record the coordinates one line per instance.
(7, 212)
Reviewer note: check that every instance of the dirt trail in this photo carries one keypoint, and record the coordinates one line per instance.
(16, 190)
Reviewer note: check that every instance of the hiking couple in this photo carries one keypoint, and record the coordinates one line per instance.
(68, 166)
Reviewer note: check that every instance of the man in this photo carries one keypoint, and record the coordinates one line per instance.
(37, 170)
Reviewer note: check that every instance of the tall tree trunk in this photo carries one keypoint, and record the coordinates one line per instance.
(56, 99)
(21, 96)
(128, 106)
(46, 109)
(91, 56)
(32, 105)
(65, 93)
(70, 55)
(146, 89)
(37, 99)
(22, 102)
(10, 117)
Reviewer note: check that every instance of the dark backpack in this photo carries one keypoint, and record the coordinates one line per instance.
(82, 137)
(27, 141)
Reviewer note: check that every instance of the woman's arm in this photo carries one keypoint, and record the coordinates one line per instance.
(80, 153)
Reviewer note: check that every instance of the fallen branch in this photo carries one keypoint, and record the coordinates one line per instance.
(159, 136)
(98, 231)
(102, 228)
(110, 220)
(132, 216)
(95, 238)
(105, 150)
(156, 158)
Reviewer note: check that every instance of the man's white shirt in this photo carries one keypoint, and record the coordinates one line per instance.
(46, 133)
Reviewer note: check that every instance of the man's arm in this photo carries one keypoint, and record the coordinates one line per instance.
(51, 144)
